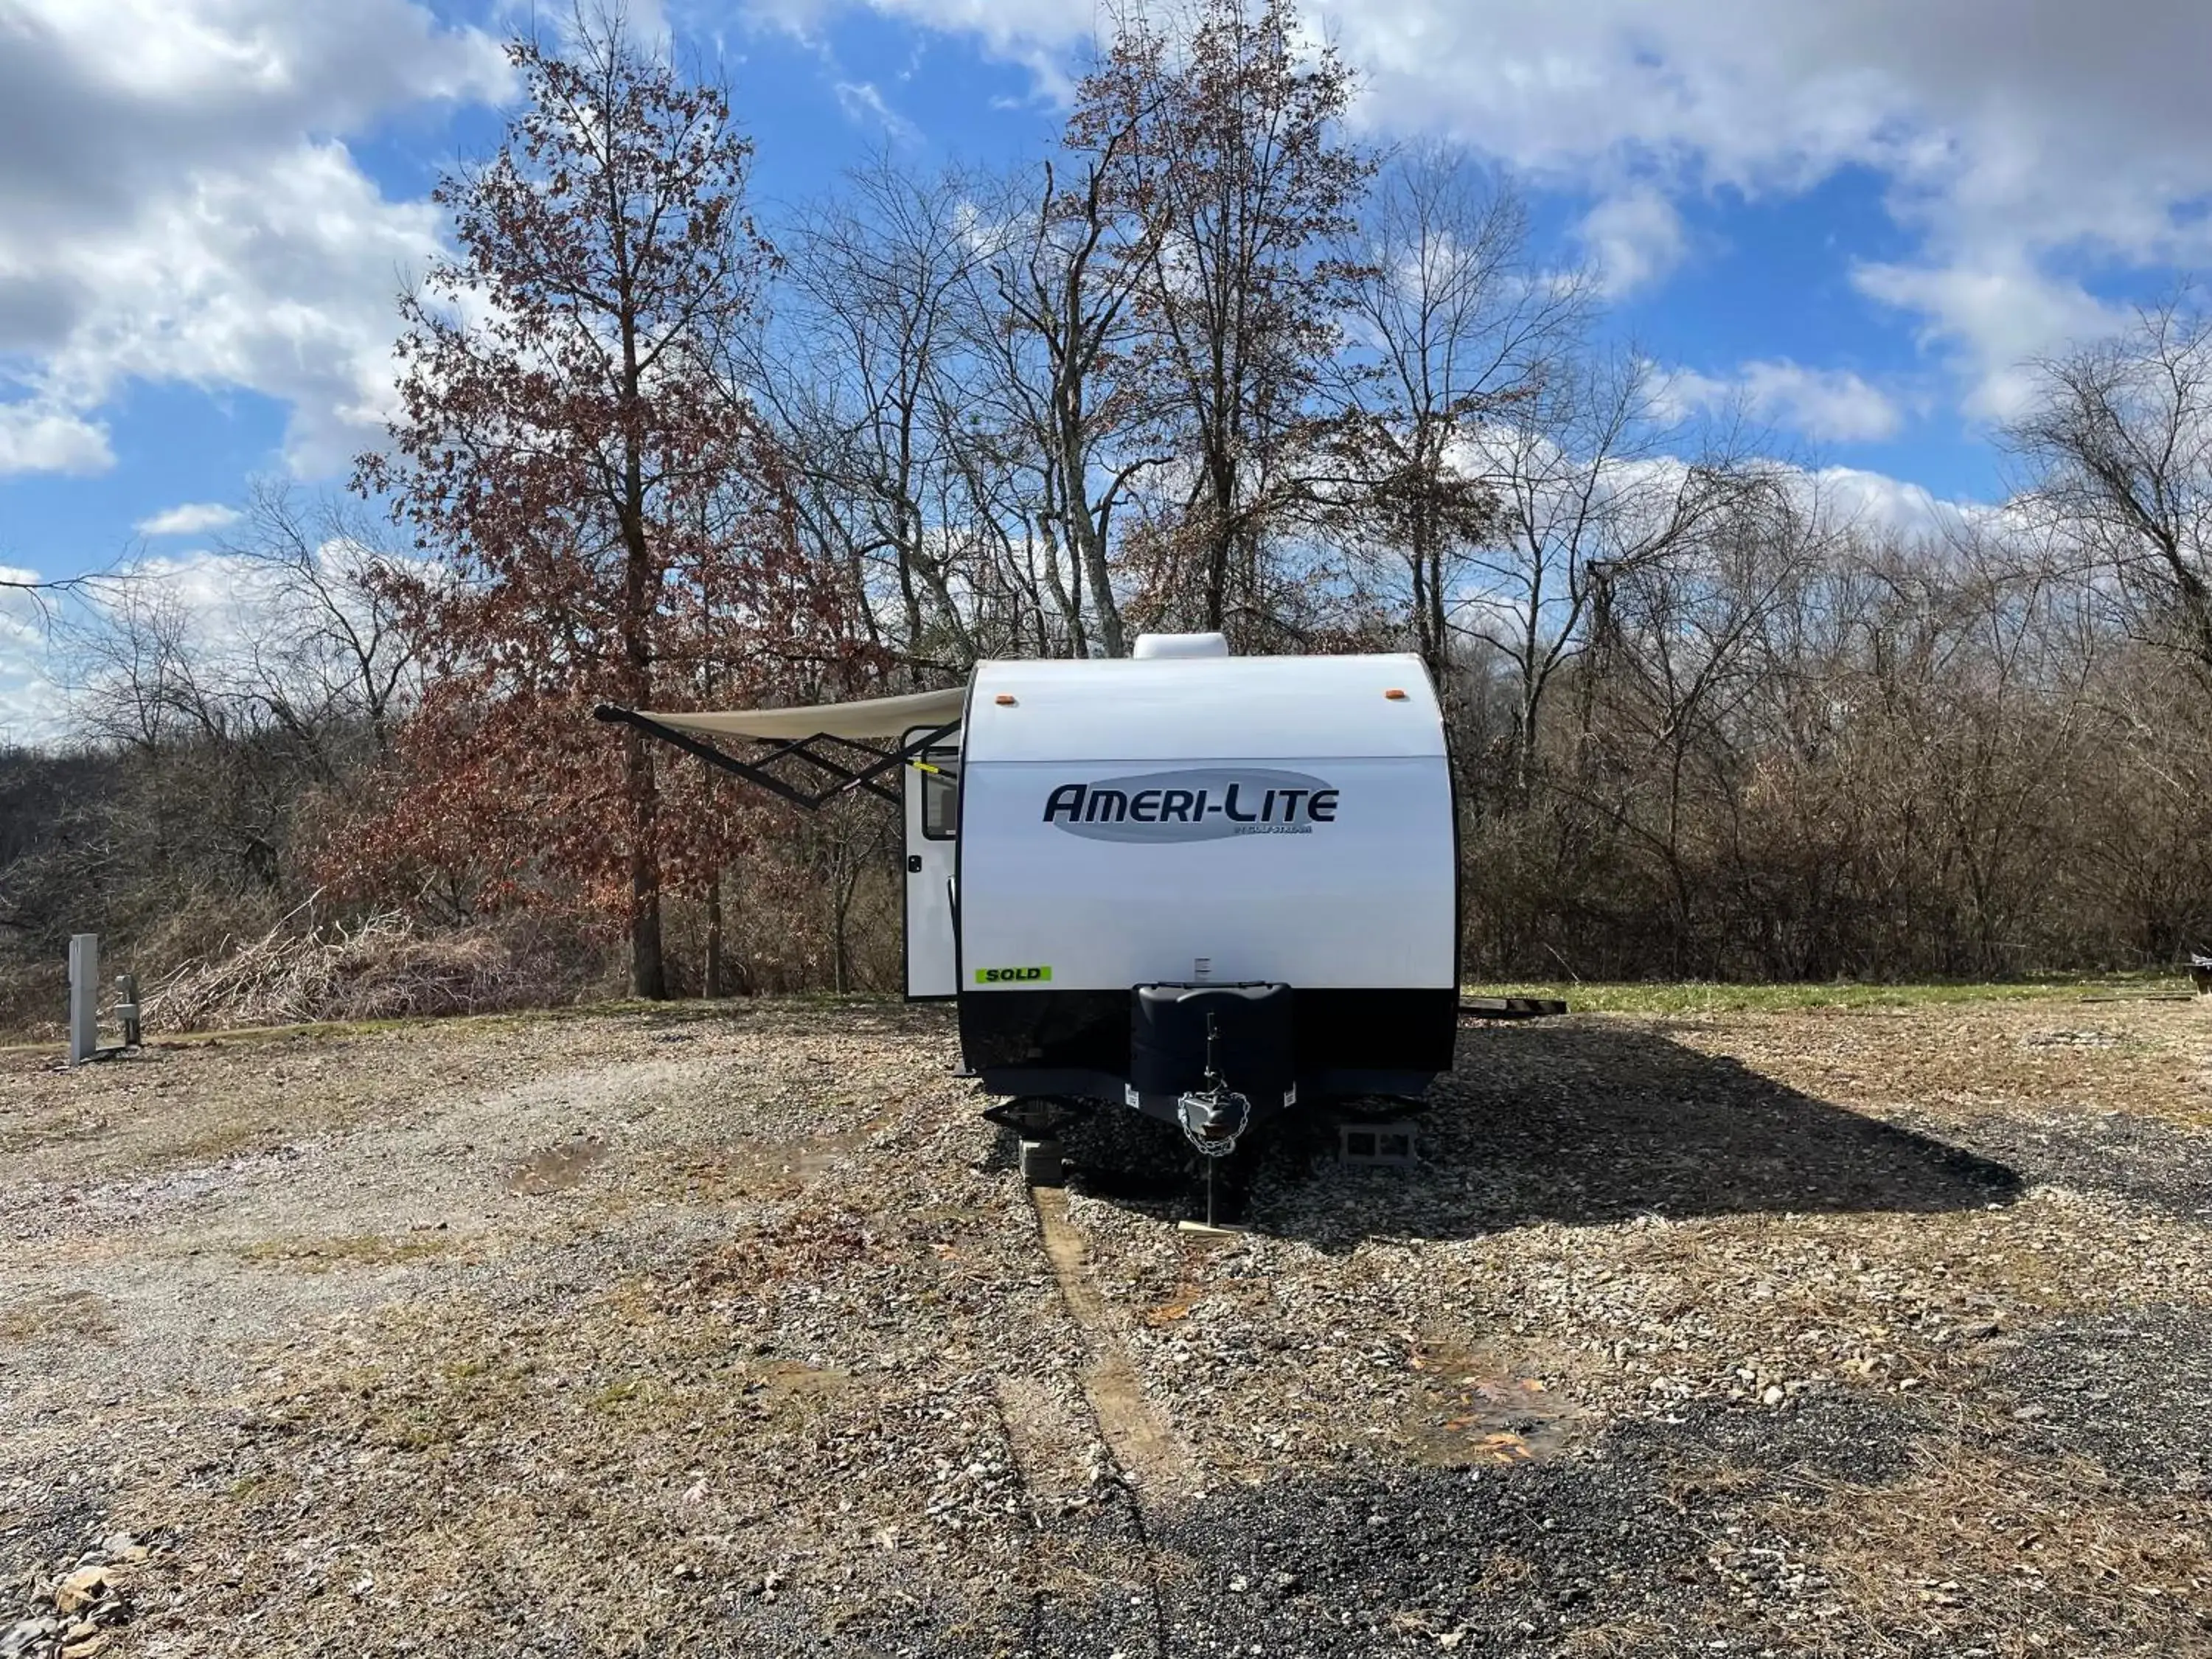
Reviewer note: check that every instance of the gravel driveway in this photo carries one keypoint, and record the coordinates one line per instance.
(733, 1331)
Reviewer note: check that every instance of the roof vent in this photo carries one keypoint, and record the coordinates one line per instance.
(1159, 646)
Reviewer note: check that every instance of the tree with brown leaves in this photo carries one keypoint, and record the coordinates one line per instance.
(602, 515)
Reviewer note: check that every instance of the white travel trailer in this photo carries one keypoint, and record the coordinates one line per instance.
(1206, 887)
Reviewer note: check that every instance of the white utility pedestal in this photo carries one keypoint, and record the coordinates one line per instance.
(84, 998)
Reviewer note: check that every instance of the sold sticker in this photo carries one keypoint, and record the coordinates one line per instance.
(1011, 975)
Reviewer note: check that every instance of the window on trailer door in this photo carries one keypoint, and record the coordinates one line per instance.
(940, 793)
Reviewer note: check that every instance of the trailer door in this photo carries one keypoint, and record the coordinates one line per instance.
(933, 812)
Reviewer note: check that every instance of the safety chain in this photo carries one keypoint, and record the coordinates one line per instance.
(1212, 1100)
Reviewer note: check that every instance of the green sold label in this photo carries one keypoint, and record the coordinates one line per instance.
(1011, 975)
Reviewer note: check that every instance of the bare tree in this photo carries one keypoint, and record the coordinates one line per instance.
(143, 679)
(1593, 488)
(337, 653)
(1451, 326)
(214, 784)
(1675, 657)
(2120, 443)
(866, 372)
(1223, 136)
(1064, 274)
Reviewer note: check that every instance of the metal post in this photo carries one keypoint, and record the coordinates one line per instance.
(84, 998)
(126, 1008)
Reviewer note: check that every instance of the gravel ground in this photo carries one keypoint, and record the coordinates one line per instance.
(1859, 1332)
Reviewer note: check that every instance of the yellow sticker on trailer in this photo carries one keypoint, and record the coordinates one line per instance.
(1011, 975)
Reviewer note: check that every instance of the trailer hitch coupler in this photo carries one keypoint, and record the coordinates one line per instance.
(1213, 1119)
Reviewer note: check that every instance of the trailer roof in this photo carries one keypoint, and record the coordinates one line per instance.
(871, 717)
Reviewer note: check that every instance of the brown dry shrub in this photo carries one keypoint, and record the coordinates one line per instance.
(382, 967)
(33, 999)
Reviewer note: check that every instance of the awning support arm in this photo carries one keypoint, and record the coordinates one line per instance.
(705, 752)
(866, 778)
(802, 748)
(754, 772)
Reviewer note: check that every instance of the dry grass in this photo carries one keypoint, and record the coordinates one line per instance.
(1990, 1554)
(74, 1315)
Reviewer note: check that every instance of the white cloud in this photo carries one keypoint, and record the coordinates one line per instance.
(2029, 146)
(1827, 406)
(1878, 503)
(31, 704)
(191, 518)
(1019, 30)
(38, 438)
(1634, 237)
(179, 204)
(1994, 313)
(282, 281)
(864, 105)
(2024, 142)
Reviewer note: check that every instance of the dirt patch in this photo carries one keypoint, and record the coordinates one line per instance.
(1476, 1408)
(558, 1169)
(1143, 1445)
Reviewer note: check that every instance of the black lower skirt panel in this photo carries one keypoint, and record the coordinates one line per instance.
(1077, 1043)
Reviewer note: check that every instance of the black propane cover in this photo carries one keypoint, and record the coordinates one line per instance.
(1255, 1051)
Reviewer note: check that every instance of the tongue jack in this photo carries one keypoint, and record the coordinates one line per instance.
(1214, 1116)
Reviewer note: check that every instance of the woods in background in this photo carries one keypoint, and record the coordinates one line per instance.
(1211, 364)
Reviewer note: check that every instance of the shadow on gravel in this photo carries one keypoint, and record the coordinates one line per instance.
(2138, 1160)
(1579, 1124)
(47, 1528)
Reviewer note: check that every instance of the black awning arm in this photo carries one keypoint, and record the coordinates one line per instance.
(705, 752)
(881, 762)
(754, 772)
(803, 749)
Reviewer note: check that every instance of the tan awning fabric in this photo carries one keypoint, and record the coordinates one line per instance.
(872, 717)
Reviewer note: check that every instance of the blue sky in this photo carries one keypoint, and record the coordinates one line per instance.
(1863, 216)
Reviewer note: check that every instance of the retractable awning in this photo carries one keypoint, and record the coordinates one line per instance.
(871, 717)
(841, 740)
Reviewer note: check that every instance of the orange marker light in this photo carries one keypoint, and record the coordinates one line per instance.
(1005, 699)
(1395, 694)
